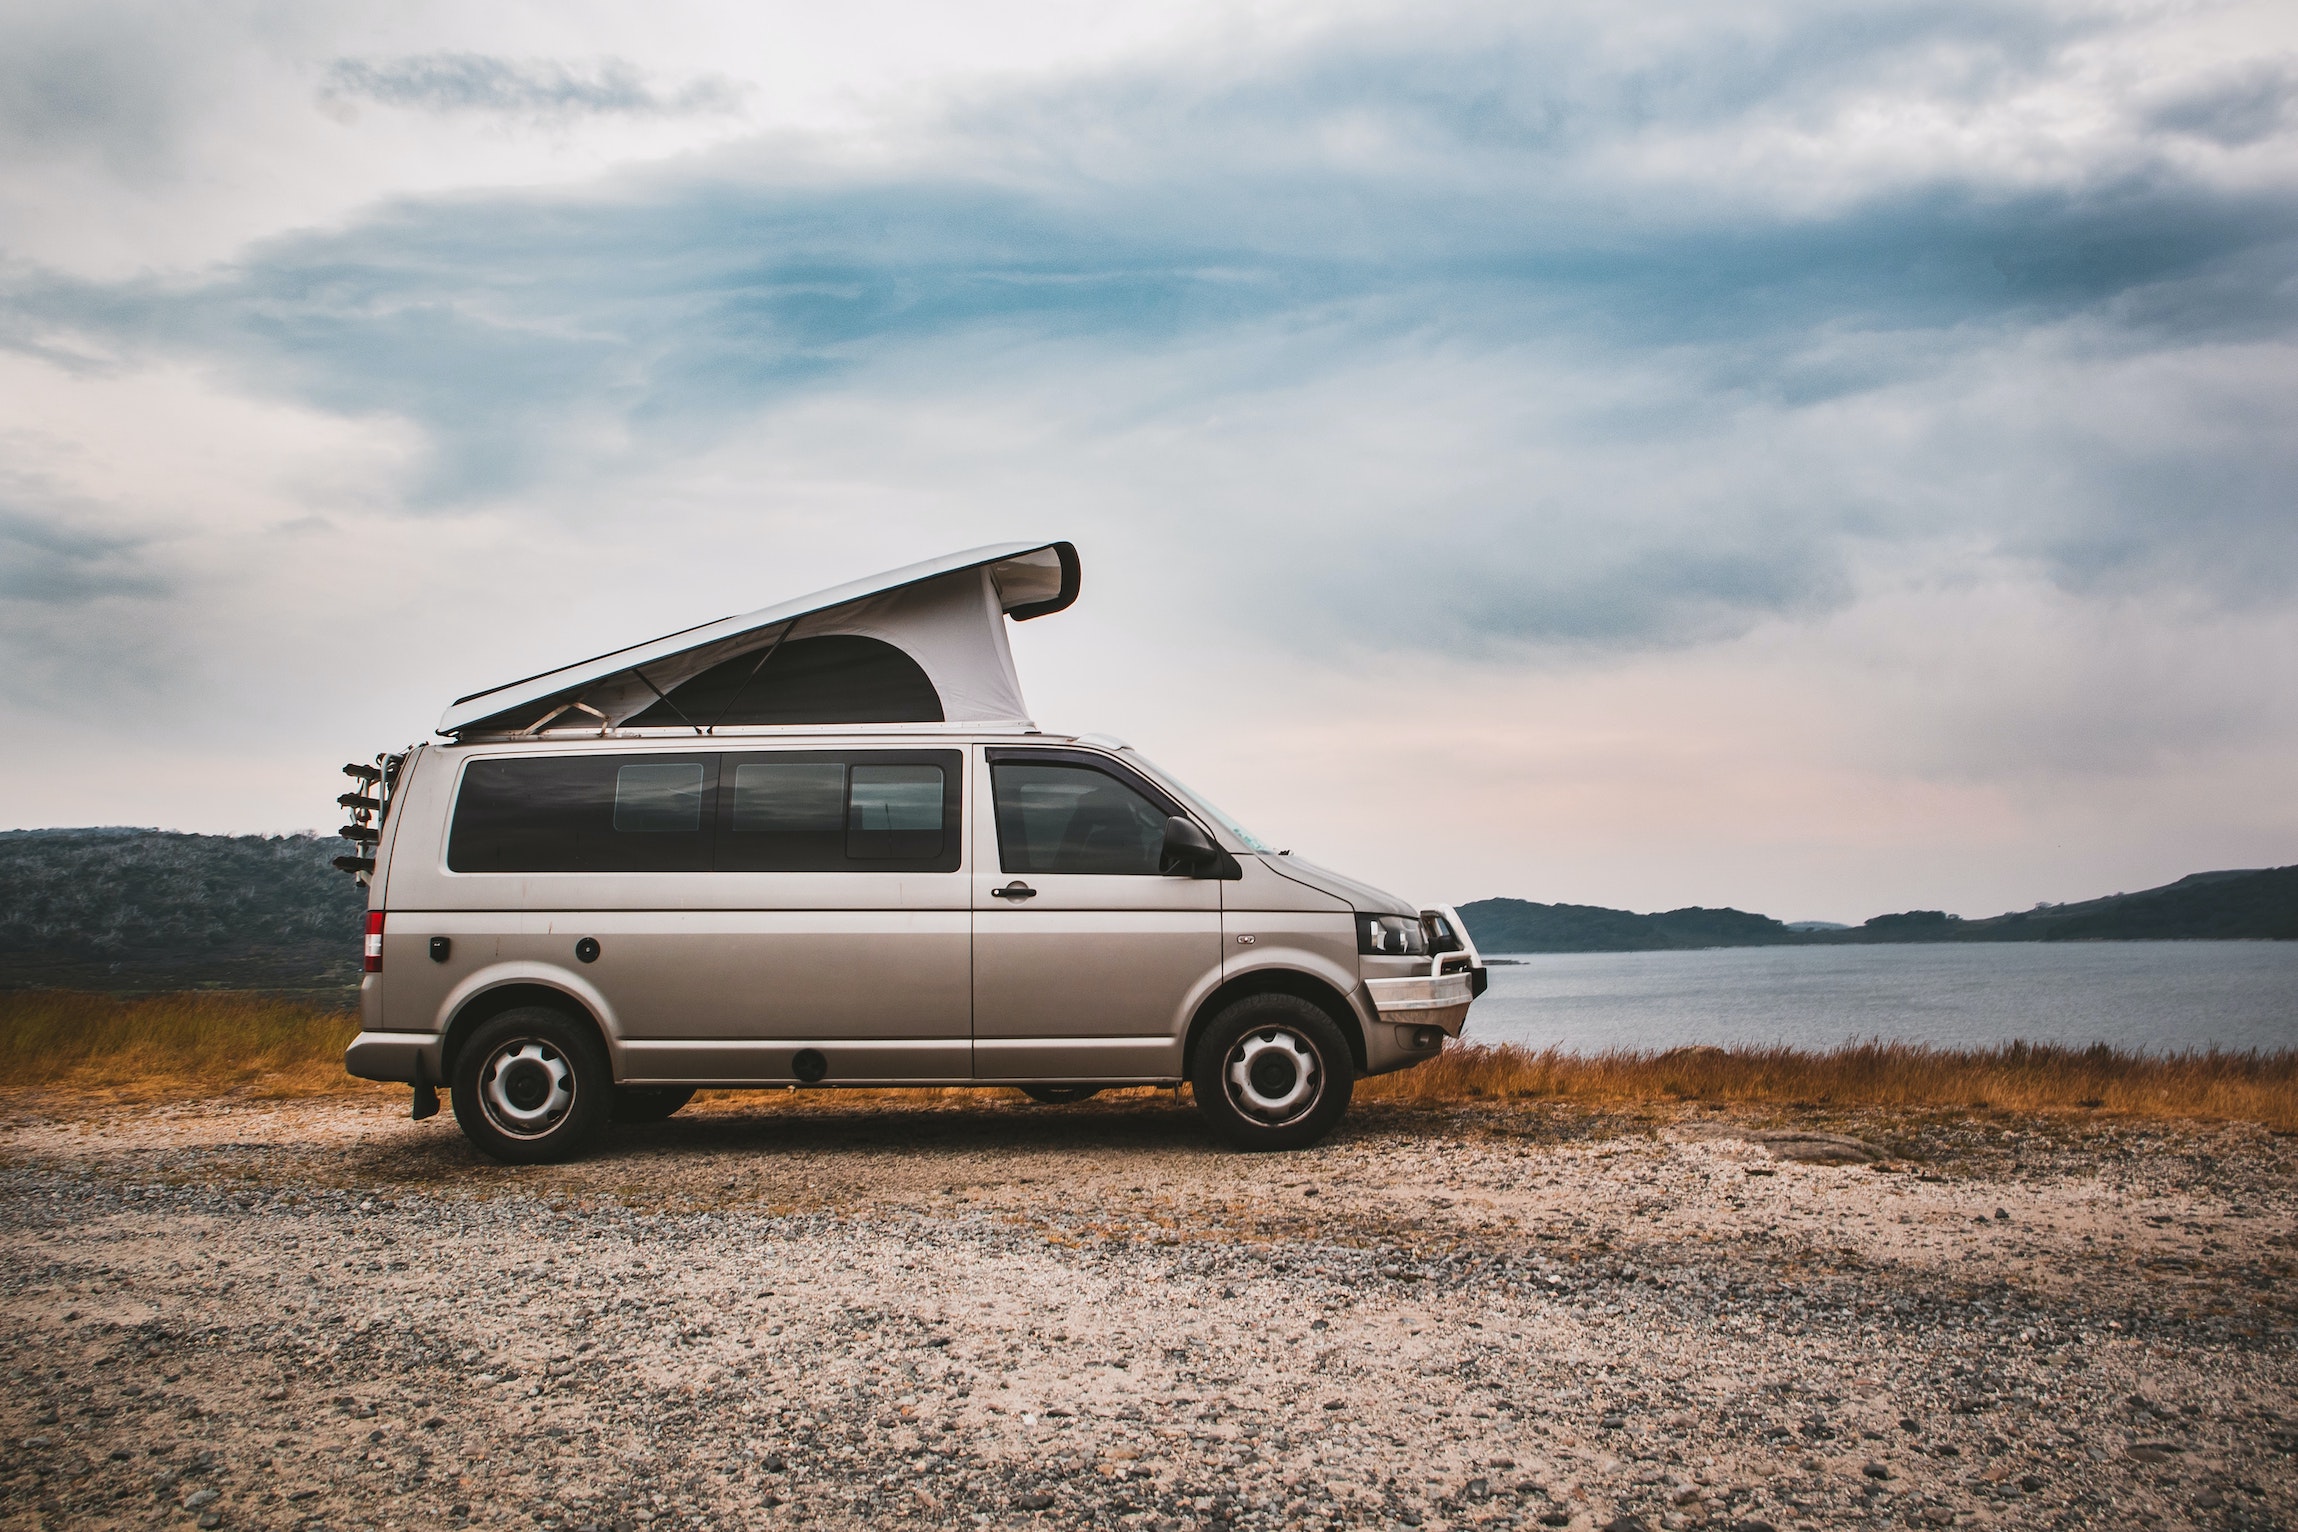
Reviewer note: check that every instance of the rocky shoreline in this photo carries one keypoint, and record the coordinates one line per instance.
(317, 1314)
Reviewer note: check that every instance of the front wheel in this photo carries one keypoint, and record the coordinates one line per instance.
(1272, 1072)
(532, 1086)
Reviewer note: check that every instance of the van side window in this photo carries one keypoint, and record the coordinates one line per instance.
(789, 797)
(1055, 817)
(894, 812)
(792, 811)
(584, 813)
(659, 798)
(841, 811)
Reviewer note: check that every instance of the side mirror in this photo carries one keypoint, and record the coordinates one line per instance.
(1188, 850)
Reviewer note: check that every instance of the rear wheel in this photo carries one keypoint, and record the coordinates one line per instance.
(532, 1086)
(1272, 1072)
(649, 1103)
(1059, 1095)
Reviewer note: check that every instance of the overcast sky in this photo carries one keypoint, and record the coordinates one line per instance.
(1819, 459)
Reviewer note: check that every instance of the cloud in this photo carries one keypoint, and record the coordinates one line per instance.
(75, 84)
(1554, 334)
(50, 556)
(538, 88)
(2235, 107)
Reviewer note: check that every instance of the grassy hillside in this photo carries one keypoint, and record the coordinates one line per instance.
(2206, 905)
(2243, 904)
(126, 909)
(1518, 925)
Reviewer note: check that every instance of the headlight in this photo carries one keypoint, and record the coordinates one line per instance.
(1390, 936)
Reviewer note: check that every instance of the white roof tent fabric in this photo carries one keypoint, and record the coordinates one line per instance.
(924, 644)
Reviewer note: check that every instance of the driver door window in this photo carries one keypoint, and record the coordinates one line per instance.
(1072, 819)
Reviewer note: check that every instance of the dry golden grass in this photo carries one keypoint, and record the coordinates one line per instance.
(2019, 1077)
(193, 1042)
(203, 1042)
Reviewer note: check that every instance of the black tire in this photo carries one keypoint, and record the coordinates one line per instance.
(1272, 1072)
(649, 1103)
(1060, 1095)
(532, 1086)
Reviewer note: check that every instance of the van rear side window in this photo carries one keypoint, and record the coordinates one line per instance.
(841, 811)
(659, 798)
(788, 797)
(894, 813)
(578, 813)
(811, 811)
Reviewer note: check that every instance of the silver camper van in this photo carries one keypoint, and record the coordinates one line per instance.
(823, 844)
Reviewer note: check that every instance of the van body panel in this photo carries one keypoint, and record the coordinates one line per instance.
(1348, 891)
(1100, 961)
(485, 949)
(1271, 921)
(378, 882)
(1264, 886)
(770, 973)
(415, 834)
(1050, 971)
(668, 974)
(507, 968)
(1090, 1060)
(411, 776)
(575, 892)
(849, 1061)
(1303, 950)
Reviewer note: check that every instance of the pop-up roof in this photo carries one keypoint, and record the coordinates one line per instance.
(925, 644)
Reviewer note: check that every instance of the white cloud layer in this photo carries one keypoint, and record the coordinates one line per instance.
(1811, 460)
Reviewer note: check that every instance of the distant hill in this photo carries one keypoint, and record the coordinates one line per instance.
(130, 909)
(134, 909)
(1518, 925)
(2239, 904)
(2201, 906)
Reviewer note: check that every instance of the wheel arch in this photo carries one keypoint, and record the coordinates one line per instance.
(490, 1003)
(1277, 981)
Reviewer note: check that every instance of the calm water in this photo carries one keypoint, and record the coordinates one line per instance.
(2157, 996)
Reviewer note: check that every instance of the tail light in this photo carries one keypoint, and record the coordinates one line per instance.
(374, 941)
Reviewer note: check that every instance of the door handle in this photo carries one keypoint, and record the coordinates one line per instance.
(1016, 890)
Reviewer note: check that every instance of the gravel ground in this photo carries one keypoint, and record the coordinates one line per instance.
(318, 1314)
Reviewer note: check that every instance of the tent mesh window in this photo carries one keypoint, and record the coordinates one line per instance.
(840, 678)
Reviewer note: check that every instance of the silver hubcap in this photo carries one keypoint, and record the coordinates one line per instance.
(528, 1087)
(1273, 1076)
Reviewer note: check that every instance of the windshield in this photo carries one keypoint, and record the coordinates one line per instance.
(1197, 801)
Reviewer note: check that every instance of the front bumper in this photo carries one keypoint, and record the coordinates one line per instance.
(1439, 1001)
(410, 1058)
